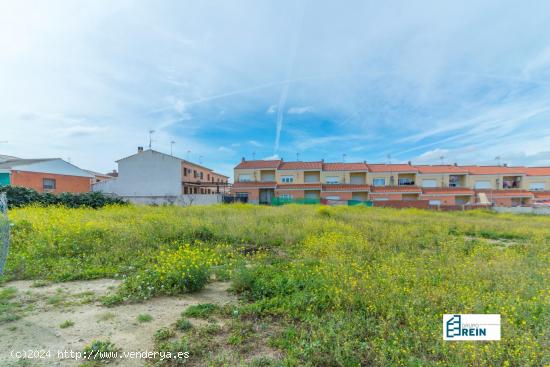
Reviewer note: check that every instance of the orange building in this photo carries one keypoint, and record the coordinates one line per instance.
(45, 175)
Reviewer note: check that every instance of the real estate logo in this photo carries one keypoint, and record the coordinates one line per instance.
(471, 327)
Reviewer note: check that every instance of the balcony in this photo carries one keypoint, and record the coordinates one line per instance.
(511, 182)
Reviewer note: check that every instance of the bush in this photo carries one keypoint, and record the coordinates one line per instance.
(202, 311)
(100, 350)
(175, 272)
(21, 196)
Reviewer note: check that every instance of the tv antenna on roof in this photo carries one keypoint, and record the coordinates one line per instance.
(297, 156)
(200, 159)
(151, 132)
(188, 153)
(344, 158)
(441, 158)
(497, 158)
(171, 145)
(253, 155)
(389, 158)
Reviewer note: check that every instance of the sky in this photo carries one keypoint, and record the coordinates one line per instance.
(423, 81)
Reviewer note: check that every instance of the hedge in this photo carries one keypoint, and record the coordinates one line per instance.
(20, 196)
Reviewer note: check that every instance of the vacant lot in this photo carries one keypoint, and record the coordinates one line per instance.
(306, 285)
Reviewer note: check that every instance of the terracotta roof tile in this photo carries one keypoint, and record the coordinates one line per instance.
(542, 194)
(254, 184)
(536, 171)
(493, 170)
(259, 164)
(301, 165)
(392, 168)
(441, 169)
(311, 186)
(345, 187)
(382, 189)
(345, 167)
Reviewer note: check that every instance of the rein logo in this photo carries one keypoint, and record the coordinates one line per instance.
(471, 327)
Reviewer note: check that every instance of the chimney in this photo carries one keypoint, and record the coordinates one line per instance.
(114, 171)
(409, 163)
(505, 164)
(364, 162)
(140, 149)
(323, 160)
(456, 164)
(242, 159)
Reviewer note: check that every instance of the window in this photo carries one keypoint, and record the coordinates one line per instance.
(435, 202)
(381, 199)
(429, 183)
(201, 175)
(285, 196)
(287, 179)
(405, 181)
(184, 171)
(379, 182)
(482, 185)
(194, 173)
(242, 178)
(333, 198)
(535, 186)
(48, 184)
(332, 180)
(208, 177)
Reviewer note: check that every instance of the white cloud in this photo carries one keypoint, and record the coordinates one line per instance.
(254, 143)
(271, 110)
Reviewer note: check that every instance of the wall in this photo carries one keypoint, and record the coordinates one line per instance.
(445, 199)
(532, 179)
(181, 200)
(523, 210)
(441, 179)
(145, 174)
(253, 194)
(63, 183)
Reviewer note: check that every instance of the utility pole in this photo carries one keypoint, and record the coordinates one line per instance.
(171, 146)
(151, 132)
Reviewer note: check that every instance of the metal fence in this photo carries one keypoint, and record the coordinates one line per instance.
(4, 231)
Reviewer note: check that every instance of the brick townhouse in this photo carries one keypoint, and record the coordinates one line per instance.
(260, 180)
(45, 175)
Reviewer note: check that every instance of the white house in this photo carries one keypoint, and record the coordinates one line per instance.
(150, 176)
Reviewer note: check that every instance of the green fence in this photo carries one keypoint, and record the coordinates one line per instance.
(276, 201)
(359, 202)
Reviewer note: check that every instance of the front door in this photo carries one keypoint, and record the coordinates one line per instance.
(266, 195)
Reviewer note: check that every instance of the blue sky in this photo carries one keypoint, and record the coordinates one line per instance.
(416, 81)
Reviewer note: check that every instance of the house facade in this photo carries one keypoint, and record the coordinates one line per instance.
(45, 175)
(150, 173)
(261, 180)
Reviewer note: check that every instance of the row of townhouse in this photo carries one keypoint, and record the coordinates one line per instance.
(260, 180)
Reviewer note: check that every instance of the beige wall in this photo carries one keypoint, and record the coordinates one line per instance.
(527, 180)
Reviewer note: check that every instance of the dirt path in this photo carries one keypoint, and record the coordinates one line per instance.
(49, 306)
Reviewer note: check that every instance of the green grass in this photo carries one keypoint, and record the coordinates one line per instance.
(341, 286)
(66, 324)
(9, 310)
(202, 311)
(144, 317)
